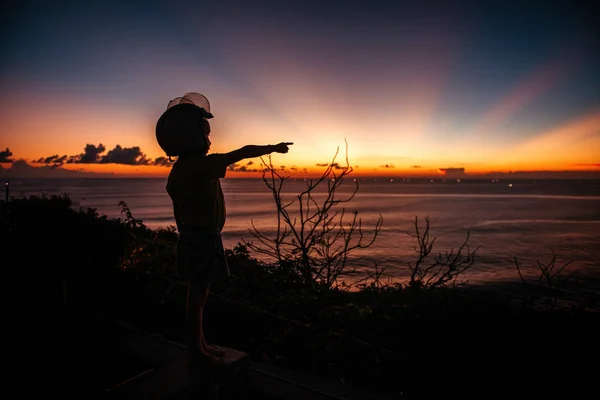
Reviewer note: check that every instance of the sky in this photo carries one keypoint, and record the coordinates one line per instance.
(414, 88)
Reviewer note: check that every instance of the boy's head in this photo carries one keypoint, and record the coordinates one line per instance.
(183, 128)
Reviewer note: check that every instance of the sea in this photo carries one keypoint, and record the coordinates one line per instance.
(531, 221)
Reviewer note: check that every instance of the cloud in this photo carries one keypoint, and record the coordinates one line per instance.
(93, 155)
(237, 167)
(22, 165)
(47, 160)
(125, 155)
(5, 156)
(90, 155)
(387, 166)
(334, 165)
(417, 166)
(452, 172)
(21, 169)
(55, 160)
(164, 161)
(241, 168)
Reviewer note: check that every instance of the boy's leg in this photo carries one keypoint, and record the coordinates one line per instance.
(196, 300)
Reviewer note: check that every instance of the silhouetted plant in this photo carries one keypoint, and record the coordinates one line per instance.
(371, 280)
(444, 268)
(551, 281)
(150, 250)
(130, 220)
(74, 252)
(316, 240)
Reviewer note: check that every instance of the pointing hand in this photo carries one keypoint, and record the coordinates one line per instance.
(282, 147)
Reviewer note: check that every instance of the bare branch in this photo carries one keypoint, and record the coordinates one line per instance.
(320, 238)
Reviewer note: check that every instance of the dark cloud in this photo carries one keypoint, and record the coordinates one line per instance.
(125, 155)
(50, 159)
(164, 161)
(417, 166)
(21, 169)
(387, 166)
(55, 160)
(241, 168)
(91, 154)
(5, 156)
(334, 165)
(20, 164)
(452, 172)
(61, 160)
(250, 162)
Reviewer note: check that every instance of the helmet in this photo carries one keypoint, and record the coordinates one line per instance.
(181, 128)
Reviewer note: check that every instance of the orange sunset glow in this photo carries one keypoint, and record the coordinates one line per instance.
(410, 101)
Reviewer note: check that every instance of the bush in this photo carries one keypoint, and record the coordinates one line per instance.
(383, 338)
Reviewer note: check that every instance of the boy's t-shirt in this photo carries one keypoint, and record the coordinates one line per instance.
(195, 190)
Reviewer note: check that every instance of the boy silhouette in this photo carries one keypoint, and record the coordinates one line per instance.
(199, 208)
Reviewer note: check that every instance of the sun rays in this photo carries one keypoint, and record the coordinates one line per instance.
(414, 97)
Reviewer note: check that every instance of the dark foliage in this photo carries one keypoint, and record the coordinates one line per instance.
(385, 339)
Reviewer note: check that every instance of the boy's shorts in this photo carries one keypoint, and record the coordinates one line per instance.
(201, 256)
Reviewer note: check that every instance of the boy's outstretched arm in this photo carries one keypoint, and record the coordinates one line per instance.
(252, 151)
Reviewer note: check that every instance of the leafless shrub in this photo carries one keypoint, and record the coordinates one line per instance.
(315, 237)
(551, 282)
(445, 268)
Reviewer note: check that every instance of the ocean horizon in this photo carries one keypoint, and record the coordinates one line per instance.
(505, 218)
